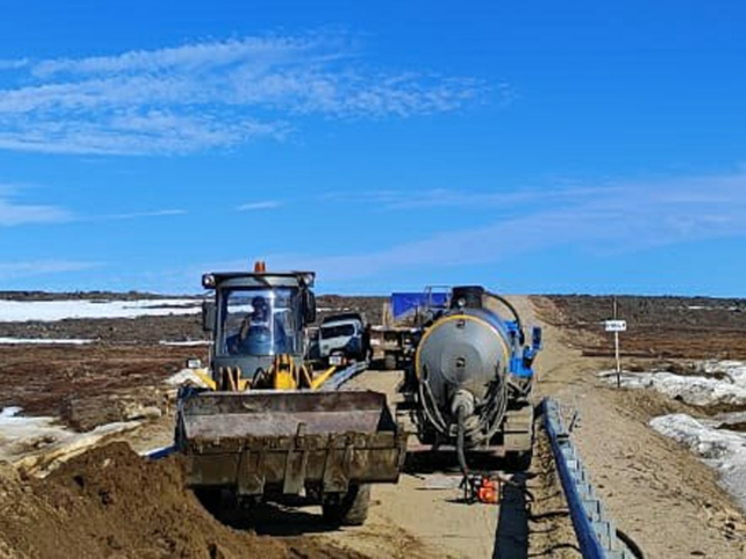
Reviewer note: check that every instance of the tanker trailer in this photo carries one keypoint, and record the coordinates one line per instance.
(470, 384)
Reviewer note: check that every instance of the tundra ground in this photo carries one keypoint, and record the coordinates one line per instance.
(658, 493)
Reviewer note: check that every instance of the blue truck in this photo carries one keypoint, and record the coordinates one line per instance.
(405, 315)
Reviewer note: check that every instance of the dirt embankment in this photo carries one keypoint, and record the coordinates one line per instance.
(657, 327)
(120, 374)
(110, 502)
(88, 385)
(141, 330)
(657, 492)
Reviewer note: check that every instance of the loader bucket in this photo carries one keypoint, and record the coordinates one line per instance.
(280, 442)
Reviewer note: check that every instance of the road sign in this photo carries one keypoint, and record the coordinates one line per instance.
(615, 325)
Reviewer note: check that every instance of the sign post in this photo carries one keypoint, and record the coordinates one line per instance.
(615, 325)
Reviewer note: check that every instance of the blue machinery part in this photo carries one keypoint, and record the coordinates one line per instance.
(407, 304)
(158, 453)
(596, 534)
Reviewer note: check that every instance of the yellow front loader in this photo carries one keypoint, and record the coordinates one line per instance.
(264, 429)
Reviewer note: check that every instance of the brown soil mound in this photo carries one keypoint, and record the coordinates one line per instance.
(110, 502)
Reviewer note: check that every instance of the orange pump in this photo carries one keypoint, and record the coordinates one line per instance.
(481, 488)
(489, 491)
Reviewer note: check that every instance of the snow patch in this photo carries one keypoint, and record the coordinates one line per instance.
(710, 308)
(26, 440)
(186, 343)
(729, 419)
(52, 311)
(186, 377)
(721, 449)
(733, 369)
(716, 382)
(43, 341)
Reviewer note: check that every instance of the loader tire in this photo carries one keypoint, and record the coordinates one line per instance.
(389, 362)
(211, 499)
(351, 509)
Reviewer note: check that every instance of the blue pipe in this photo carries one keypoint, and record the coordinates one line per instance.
(590, 546)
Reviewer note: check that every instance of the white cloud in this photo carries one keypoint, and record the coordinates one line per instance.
(10, 64)
(208, 95)
(13, 213)
(137, 215)
(393, 199)
(605, 219)
(263, 205)
(14, 270)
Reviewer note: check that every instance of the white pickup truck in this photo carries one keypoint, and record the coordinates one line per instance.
(343, 339)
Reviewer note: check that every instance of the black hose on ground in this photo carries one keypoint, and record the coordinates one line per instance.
(631, 544)
(460, 436)
(466, 481)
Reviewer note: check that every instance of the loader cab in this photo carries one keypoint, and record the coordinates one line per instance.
(259, 322)
(257, 316)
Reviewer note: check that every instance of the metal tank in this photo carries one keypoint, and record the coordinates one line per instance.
(472, 377)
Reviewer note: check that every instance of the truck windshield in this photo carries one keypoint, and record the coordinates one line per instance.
(260, 322)
(339, 331)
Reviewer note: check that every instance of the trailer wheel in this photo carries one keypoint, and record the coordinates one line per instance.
(351, 509)
(519, 461)
(389, 362)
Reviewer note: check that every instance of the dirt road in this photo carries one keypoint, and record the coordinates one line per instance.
(657, 493)
(422, 515)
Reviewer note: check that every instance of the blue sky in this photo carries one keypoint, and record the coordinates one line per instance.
(532, 147)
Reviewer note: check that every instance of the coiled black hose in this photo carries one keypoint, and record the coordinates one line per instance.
(428, 401)
(499, 402)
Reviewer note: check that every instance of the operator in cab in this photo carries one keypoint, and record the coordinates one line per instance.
(260, 332)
